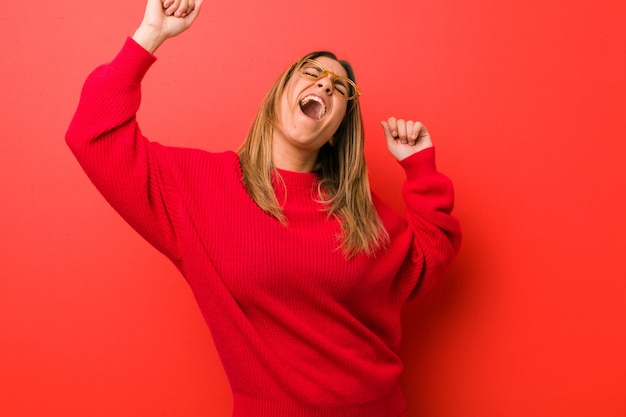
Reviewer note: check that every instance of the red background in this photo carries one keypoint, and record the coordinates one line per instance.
(526, 103)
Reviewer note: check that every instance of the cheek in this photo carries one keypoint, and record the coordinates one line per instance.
(283, 107)
(340, 113)
(289, 98)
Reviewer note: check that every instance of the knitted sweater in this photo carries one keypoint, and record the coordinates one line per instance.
(301, 331)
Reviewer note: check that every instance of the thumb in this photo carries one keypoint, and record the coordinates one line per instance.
(196, 9)
(388, 136)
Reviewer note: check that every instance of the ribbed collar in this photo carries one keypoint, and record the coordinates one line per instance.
(298, 179)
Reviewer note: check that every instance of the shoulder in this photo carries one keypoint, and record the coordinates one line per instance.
(193, 163)
(201, 177)
(193, 158)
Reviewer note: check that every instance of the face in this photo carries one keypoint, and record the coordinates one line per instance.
(310, 111)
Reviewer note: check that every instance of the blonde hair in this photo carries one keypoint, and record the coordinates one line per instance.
(344, 186)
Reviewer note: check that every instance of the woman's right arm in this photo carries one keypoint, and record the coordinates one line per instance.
(130, 172)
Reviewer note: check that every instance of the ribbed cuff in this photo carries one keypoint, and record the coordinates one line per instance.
(134, 60)
(420, 164)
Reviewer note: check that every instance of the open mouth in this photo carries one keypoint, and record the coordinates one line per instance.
(313, 106)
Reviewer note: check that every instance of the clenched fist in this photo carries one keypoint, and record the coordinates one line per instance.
(404, 138)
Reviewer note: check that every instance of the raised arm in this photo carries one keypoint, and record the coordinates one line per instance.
(133, 174)
(429, 198)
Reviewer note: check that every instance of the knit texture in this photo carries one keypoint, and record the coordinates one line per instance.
(300, 329)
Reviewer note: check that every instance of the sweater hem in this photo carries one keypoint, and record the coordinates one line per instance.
(246, 405)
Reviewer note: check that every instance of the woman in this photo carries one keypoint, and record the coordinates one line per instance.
(299, 271)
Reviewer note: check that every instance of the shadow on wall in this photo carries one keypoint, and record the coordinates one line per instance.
(435, 330)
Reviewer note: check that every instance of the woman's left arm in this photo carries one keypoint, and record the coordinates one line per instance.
(429, 197)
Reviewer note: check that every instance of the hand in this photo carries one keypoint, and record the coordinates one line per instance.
(164, 19)
(178, 8)
(404, 138)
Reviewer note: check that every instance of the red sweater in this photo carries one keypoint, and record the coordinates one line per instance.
(301, 330)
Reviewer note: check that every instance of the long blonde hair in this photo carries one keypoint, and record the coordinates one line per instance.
(344, 186)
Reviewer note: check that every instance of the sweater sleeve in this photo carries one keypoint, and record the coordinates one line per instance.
(429, 198)
(128, 170)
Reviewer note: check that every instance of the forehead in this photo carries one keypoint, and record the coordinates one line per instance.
(332, 65)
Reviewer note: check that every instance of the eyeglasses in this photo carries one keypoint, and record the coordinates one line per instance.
(344, 87)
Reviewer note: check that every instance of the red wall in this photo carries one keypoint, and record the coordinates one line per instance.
(526, 103)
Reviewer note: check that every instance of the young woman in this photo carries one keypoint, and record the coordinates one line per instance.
(300, 272)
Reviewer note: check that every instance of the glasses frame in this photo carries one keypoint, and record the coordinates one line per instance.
(333, 77)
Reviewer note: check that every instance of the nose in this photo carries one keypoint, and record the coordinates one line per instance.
(326, 84)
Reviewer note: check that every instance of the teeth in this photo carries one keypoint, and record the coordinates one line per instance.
(322, 111)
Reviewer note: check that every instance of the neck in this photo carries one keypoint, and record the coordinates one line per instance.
(293, 159)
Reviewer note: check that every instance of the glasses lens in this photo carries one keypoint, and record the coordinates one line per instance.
(344, 87)
(311, 70)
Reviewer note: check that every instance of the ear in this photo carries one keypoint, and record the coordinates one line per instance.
(331, 141)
